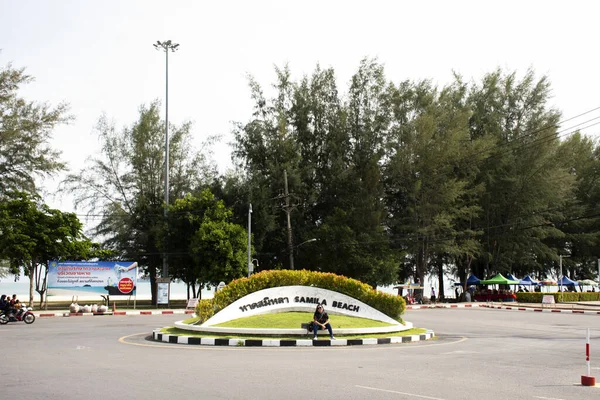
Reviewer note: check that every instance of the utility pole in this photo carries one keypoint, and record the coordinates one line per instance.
(288, 211)
(560, 257)
(250, 265)
(166, 46)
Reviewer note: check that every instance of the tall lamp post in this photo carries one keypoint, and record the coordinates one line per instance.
(250, 265)
(560, 257)
(296, 247)
(166, 46)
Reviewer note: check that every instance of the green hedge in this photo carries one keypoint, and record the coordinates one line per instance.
(566, 297)
(390, 305)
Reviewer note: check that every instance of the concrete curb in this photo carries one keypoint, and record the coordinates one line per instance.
(536, 309)
(424, 306)
(160, 337)
(42, 314)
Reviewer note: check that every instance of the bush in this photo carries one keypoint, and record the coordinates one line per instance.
(390, 305)
(536, 297)
(204, 310)
(587, 296)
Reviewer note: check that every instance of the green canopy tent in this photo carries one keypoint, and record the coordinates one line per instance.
(499, 296)
(499, 280)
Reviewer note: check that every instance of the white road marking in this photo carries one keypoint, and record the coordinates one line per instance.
(402, 393)
(547, 398)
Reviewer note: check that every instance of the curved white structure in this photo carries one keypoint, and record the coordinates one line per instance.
(297, 298)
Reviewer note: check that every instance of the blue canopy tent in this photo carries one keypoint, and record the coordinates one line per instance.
(471, 280)
(564, 281)
(514, 278)
(529, 281)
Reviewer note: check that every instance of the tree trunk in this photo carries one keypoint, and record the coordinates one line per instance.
(421, 269)
(441, 281)
(31, 280)
(152, 273)
(464, 280)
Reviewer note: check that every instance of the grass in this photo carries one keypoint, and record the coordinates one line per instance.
(290, 320)
(293, 320)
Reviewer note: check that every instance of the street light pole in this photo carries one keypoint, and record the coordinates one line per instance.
(296, 248)
(560, 257)
(166, 46)
(250, 265)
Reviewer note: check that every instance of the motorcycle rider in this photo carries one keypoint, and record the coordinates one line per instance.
(17, 307)
(13, 307)
(4, 304)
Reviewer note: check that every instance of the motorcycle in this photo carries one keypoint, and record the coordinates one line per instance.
(24, 314)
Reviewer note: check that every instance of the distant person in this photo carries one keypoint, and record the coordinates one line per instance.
(433, 295)
(321, 321)
(456, 293)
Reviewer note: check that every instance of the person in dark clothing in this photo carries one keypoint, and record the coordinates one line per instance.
(4, 304)
(321, 321)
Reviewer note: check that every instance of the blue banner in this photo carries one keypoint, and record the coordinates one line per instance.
(87, 277)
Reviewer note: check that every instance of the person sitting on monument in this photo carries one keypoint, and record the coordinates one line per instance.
(321, 321)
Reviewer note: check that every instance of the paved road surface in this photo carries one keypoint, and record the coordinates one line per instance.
(479, 354)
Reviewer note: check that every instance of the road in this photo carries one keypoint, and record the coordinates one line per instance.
(479, 354)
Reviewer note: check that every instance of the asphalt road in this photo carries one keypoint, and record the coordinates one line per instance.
(479, 354)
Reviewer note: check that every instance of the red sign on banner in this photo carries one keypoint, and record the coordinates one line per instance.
(126, 285)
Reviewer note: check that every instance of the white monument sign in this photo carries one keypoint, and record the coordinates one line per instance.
(296, 298)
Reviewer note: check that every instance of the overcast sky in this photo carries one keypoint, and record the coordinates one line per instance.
(98, 55)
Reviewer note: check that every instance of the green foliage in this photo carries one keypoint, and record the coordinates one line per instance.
(392, 306)
(567, 297)
(525, 188)
(33, 234)
(25, 132)
(125, 184)
(204, 310)
(207, 247)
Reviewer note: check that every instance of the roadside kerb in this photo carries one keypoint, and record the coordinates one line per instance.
(41, 314)
(177, 339)
(547, 310)
(443, 305)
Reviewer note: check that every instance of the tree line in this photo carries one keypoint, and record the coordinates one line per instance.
(385, 181)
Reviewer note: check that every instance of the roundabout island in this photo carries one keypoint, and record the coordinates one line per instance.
(279, 316)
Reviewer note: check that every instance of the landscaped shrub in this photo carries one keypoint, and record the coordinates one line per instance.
(390, 305)
(589, 296)
(567, 297)
(205, 309)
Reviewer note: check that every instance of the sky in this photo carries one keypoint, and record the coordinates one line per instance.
(98, 56)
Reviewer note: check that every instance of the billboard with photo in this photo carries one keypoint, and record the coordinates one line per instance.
(117, 278)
